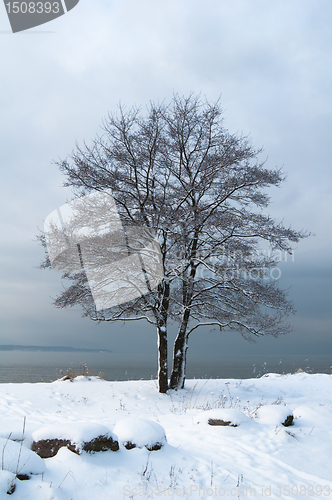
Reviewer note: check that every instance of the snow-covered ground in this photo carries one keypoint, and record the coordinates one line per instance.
(255, 456)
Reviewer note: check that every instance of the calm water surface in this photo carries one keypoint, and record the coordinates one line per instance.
(19, 366)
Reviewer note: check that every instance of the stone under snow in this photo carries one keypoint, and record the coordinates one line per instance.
(7, 482)
(78, 437)
(15, 457)
(78, 433)
(140, 432)
(225, 416)
(274, 414)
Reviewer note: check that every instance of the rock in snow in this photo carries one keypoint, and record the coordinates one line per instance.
(78, 437)
(223, 417)
(275, 415)
(136, 432)
(7, 482)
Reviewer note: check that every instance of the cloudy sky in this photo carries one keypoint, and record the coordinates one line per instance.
(271, 63)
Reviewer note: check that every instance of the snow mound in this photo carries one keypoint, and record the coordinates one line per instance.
(13, 453)
(8, 431)
(7, 482)
(223, 417)
(308, 417)
(136, 432)
(78, 378)
(78, 433)
(79, 437)
(275, 415)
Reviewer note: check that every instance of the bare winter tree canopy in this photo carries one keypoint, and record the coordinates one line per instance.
(201, 191)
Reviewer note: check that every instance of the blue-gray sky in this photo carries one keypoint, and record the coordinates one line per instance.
(271, 62)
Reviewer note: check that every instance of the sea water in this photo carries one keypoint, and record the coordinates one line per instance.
(20, 366)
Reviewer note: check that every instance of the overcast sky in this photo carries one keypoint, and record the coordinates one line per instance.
(271, 62)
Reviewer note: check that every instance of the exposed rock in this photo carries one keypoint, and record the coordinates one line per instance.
(155, 447)
(47, 448)
(11, 489)
(224, 417)
(224, 423)
(23, 477)
(78, 438)
(101, 443)
(289, 421)
(129, 445)
(7, 483)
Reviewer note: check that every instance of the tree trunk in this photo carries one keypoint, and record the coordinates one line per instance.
(179, 362)
(162, 359)
(179, 355)
(162, 339)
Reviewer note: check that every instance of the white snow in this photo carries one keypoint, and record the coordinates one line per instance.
(257, 459)
(140, 432)
(273, 414)
(15, 457)
(8, 429)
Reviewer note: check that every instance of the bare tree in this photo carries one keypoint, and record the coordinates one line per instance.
(180, 173)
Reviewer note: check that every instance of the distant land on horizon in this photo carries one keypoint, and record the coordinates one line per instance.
(44, 348)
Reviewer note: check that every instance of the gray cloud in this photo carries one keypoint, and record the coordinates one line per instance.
(271, 63)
